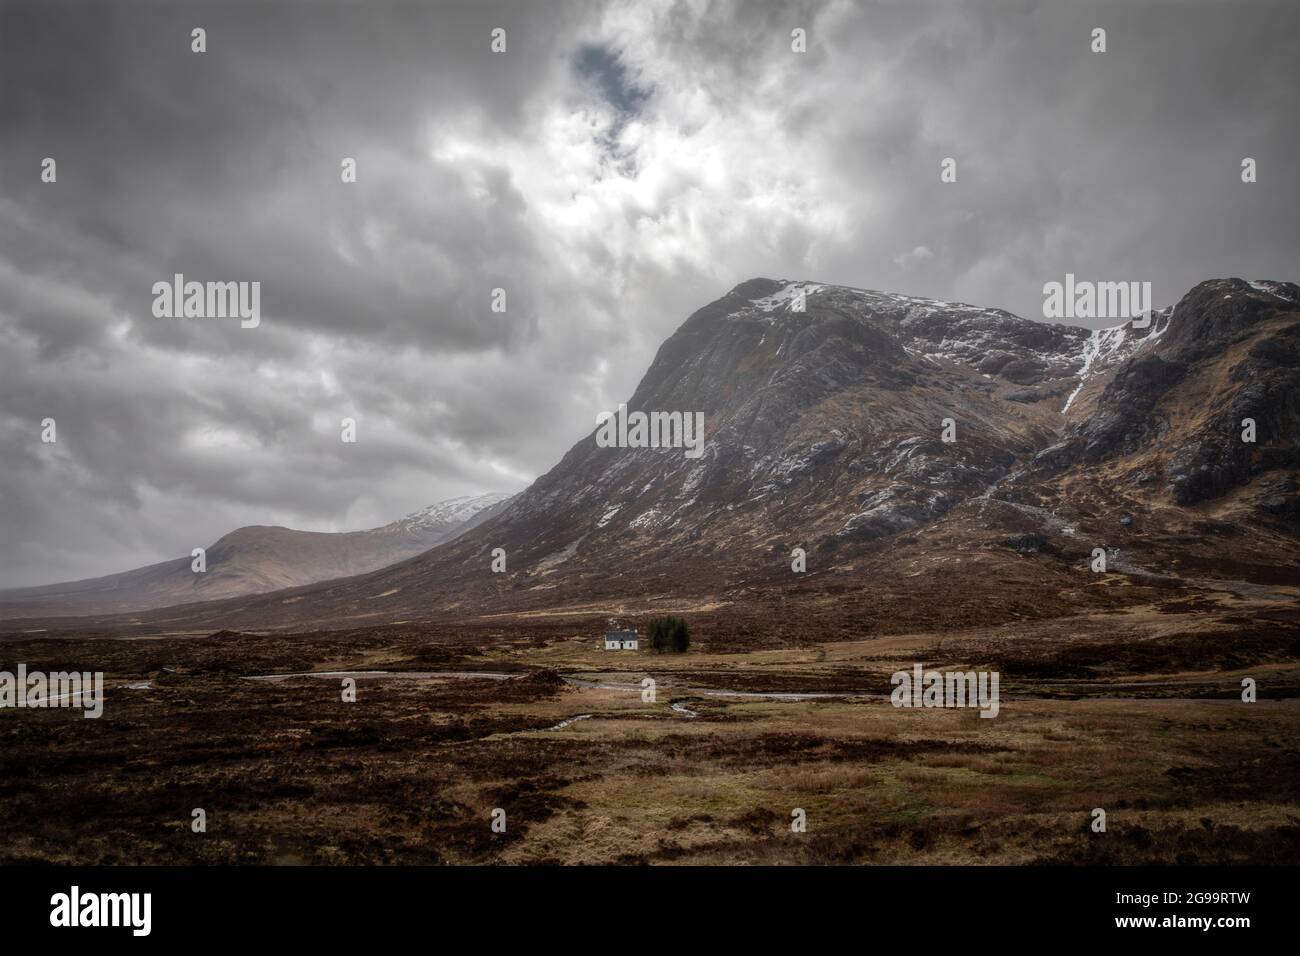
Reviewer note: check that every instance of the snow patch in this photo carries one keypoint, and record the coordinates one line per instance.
(647, 519)
(450, 512)
(1103, 345)
(785, 295)
(1270, 288)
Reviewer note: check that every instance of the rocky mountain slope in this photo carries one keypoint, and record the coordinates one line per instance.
(827, 430)
(256, 559)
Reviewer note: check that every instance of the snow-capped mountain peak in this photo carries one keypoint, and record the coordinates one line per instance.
(785, 296)
(453, 511)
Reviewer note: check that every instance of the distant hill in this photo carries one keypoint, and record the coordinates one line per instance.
(253, 560)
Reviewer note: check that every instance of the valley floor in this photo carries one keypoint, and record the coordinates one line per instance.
(533, 718)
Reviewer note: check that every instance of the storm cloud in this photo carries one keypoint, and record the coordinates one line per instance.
(618, 166)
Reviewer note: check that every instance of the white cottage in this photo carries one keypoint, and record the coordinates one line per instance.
(621, 641)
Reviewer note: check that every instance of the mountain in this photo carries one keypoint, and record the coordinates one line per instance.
(825, 431)
(256, 559)
(449, 518)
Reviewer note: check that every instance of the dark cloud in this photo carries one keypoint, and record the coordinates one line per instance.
(620, 165)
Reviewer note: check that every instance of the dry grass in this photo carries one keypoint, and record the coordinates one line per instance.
(410, 773)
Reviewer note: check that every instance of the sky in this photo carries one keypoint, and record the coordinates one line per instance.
(617, 167)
